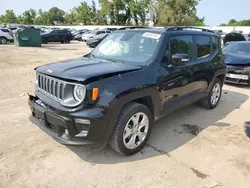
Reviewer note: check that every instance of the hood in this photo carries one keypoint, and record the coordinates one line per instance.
(232, 37)
(237, 59)
(81, 69)
(44, 34)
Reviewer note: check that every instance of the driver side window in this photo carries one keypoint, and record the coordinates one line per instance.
(181, 44)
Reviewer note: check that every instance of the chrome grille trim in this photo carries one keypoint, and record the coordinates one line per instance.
(51, 87)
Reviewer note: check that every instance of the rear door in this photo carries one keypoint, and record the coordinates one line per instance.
(203, 64)
(60, 35)
(53, 36)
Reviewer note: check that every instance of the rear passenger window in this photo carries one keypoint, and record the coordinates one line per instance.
(181, 45)
(203, 46)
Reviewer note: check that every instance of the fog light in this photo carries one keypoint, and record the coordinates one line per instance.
(82, 134)
(83, 124)
(82, 121)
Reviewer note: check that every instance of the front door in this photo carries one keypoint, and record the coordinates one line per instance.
(177, 83)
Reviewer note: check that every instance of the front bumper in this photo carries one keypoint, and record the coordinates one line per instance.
(241, 79)
(63, 128)
(238, 75)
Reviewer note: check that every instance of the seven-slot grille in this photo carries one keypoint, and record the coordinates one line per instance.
(51, 86)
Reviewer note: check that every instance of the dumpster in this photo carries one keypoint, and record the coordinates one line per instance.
(27, 36)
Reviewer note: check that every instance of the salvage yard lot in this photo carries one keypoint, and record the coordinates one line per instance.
(193, 147)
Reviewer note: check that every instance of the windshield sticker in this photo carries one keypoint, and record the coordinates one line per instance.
(151, 35)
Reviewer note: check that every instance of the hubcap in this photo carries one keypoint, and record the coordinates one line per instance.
(135, 130)
(215, 95)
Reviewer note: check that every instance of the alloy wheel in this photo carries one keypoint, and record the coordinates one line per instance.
(215, 95)
(135, 130)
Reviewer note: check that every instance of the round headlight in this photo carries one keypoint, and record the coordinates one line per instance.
(79, 92)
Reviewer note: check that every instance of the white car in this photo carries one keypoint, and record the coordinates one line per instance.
(5, 36)
(91, 34)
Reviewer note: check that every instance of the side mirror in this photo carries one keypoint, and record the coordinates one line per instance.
(180, 59)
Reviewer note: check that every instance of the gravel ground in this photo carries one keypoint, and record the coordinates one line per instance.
(192, 147)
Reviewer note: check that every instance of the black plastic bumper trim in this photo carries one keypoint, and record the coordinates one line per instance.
(57, 138)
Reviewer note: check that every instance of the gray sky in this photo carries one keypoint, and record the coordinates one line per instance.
(215, 11)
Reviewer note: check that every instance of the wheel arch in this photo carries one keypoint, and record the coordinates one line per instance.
(220, 74)
(146, 97)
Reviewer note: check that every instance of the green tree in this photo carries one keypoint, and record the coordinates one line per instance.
(93, 13)
(83, 13)
(123, 12)
(2, 19)
(70, 18)
(28, 17)
(101, 19)
(153, 11)
(10, 16)
(56, 16)
(19, 19)
(177, 12)
(232, 22)
(199, 21)
(42, 18)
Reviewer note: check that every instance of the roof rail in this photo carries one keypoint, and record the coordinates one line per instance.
(187, 27)
(132, 27)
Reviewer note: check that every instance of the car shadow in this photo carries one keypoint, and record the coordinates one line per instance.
(170, 132)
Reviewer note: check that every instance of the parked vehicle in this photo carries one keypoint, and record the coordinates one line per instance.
(5, 36)
(218, 32)
(232, 37)
(93, 33)
(78, 35)
(132, 78)
(237, 57)
(111, 28)
(94, 41)
(58, 35)
(131, 27)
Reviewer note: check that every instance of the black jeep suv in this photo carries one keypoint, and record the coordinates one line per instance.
(133, 77)
(58, 35)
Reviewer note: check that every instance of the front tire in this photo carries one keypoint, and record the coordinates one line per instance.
(3, 40)
(214, 95)
(132, 129)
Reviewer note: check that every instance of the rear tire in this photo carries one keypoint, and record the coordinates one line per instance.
(3, 40)
(213, 98)
(132, 129)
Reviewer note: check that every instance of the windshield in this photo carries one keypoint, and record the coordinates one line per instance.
(130, 47)
(238, 48)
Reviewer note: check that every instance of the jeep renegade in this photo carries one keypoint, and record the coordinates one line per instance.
(132, 78)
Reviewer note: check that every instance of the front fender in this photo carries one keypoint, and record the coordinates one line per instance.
(121, 100)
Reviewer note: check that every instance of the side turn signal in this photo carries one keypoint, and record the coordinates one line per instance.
(95, 94)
